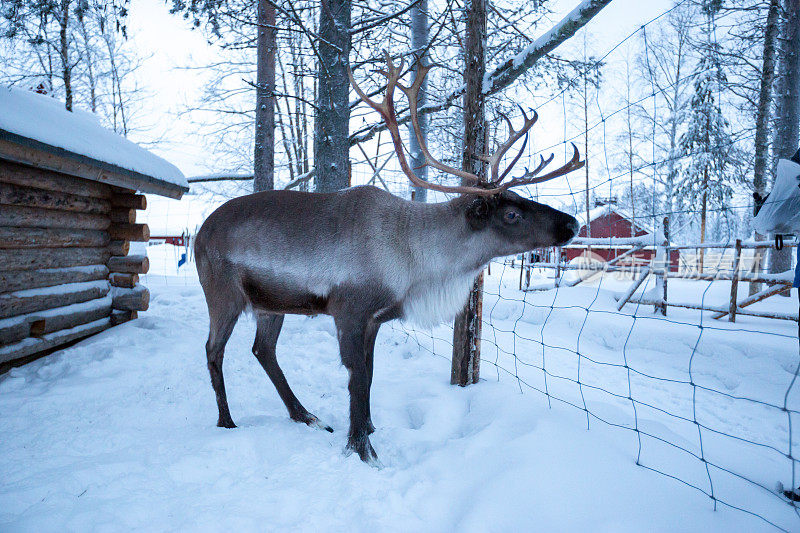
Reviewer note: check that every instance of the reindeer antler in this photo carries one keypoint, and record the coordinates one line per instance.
(483, 187)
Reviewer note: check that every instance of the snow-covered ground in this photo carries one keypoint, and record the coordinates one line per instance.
(117, 432)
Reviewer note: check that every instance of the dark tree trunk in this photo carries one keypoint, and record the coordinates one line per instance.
(419, 41)
(764, 100)
(788, 112)
(331, 143)
(763, 114)
(264, 149)
(467, 327)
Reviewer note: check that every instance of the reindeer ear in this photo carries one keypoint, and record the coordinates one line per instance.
(478, 213)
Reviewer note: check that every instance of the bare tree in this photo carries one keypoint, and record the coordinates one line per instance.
(763, 118)
(264, 143)
(332, 119)
(664, 65)
(419, 44)
(73, 50)
(513, 67)
(467, 327)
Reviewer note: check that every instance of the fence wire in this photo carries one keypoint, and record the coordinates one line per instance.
(711, 404)
(708, 403)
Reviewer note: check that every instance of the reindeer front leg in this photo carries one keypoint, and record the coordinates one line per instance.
(352, 334)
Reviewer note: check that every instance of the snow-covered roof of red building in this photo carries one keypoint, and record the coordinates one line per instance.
(642, 223)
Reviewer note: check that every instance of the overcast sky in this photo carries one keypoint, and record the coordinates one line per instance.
(171, 49)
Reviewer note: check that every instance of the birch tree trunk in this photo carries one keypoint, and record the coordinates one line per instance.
(90, 59)
(264, 144)
(331, 143)
(66, 67)
(467, 327)
(419, 42)
(788, 111)
(763, 115)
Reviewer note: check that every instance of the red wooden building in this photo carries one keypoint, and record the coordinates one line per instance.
(615, 228)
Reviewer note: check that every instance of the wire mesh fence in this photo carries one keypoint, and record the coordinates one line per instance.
(709, 403)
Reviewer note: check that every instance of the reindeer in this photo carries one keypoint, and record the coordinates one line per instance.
(365, 257)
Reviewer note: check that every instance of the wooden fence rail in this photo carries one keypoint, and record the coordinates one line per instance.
(777, 283)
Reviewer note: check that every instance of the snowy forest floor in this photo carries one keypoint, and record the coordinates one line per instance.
(117, 432)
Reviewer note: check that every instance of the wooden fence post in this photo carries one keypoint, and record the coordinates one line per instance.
(735, 281)
(557, 281)
(660, 264)
(528, 271)
(521, 270)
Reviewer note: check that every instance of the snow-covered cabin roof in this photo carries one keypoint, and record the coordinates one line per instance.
(641, 223)
(36, 130)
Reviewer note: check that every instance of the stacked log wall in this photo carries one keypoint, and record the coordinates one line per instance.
(65, 272)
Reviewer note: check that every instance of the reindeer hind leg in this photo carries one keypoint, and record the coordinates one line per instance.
(267, 331)
(223, 318)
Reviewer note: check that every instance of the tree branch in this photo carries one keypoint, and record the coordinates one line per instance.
(513, 68)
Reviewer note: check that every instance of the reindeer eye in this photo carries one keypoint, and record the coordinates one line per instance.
(512, 216)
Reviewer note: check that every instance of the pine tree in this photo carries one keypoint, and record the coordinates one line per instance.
(706, 142)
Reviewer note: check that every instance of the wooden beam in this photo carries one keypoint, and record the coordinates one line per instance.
(135, 299)
(632, 289)
(32, 300)
(126, 281)
(21, 237)
(37, 258)
(721, 309)
(71, 315)
(30, 152)
(130, 232)
(612, 262)
(51, 320)
(757, 297)
(131, 201)
(30, 197)
(14, 329)
(48, 277)
(28, 176)
(120, 317)
(123, 215)
(735, 281)
(719, 276)
(130, 264)
(119, 247)
(50, 218)
(31, 346)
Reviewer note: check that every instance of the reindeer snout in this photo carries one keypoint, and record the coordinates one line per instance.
(574, 226)
(567, 230)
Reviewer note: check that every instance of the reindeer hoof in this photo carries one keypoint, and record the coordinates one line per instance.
(364, 450)
(316, 424)
(226, 423)
(311, 421)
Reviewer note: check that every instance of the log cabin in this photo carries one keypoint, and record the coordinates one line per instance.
(69, 193)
